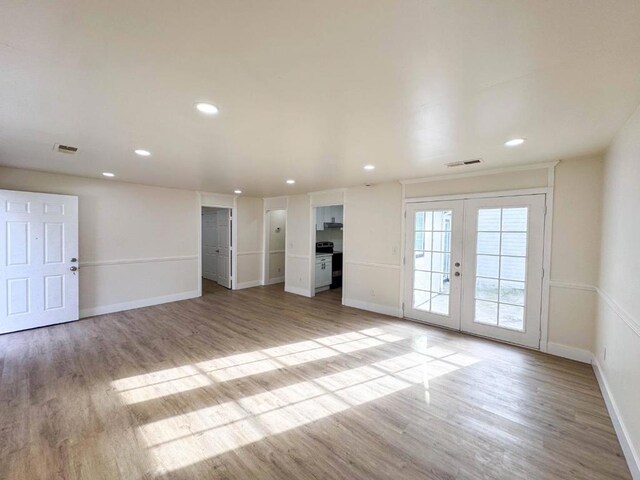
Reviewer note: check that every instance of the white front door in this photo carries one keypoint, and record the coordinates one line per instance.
(39, 259)
(224, 247)
(475, 265)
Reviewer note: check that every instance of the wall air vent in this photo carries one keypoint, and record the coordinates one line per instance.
(464, 163)
(65, 148)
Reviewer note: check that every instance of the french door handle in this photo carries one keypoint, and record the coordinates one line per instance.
(457, 264)
(457, 274)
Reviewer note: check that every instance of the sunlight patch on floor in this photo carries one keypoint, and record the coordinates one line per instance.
(149, 386)
(192, 437)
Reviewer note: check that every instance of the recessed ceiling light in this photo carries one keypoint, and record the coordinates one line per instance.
(291, 181)
(237, 192)
(369, 167)
(207, 108)
(514, 142)
(142, 153)
(108, 174)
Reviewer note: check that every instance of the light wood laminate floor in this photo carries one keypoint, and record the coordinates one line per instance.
(262, 384)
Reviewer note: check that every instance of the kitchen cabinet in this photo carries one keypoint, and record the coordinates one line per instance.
(320, 218)
(332, 214)
(323, 272)
(335, 214)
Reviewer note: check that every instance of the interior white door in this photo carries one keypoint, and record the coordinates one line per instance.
(210, 245)
(39, 259)
(224, 247)
(433, 254)
(502, 270)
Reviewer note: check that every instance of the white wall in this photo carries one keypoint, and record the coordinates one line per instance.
(618, 318)
(575, 256)
(297, 275)
(250, 244)
(372, 230)
(138, 244)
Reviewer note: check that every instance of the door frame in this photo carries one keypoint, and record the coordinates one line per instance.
(218, 201)
(546, 256)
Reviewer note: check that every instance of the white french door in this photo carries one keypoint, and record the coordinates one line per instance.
(475, 265)
(434, 248)
(39, 260)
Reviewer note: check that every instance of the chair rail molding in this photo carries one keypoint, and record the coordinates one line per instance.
(128, 261)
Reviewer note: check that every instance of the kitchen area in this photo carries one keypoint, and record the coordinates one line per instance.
(329, 237)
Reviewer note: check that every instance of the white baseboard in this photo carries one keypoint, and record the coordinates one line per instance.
(275, 280)
(632, 457)
(252, 283)
(572, 353)
(145, 302)
(297, 291)
(373, 307)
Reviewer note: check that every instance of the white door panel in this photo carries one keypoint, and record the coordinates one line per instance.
(38, 240)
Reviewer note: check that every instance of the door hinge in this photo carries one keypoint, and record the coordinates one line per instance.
(402, 307)
(404, 260)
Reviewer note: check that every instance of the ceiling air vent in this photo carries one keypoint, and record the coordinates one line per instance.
(65, 148)
(464, 163)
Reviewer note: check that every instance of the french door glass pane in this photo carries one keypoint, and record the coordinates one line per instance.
(432, 261)
(501, 254)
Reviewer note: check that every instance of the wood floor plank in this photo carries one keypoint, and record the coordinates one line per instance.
(259, 383)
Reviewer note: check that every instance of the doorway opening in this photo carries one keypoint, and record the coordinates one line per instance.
(328, 250)
(216, 249)
(275, 245)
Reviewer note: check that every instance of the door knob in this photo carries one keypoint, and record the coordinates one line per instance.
(74, 268)
(74, 259)
(457, 274)
(457, 264)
